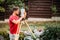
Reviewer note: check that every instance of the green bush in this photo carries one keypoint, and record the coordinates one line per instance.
(5, 35)
(21, 36)
(2, 9)
(52, 32)
(1, 1)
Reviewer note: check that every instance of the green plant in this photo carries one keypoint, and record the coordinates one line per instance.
(21, 36)
(20, 3)
(52, 32)
(54, 9)
(1, 1)
(5, 35)
(2, 9)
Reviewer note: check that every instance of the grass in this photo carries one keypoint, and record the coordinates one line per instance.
(33, 25)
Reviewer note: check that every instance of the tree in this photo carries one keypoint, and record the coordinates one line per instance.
(7, 5)
(2, 9)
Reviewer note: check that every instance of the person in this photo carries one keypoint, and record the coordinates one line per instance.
(14, 23)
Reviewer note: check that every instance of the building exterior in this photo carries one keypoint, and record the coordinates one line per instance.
(42, 8)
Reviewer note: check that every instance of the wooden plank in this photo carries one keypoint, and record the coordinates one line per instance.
(40, 7)
(40, 16)
(43, 13)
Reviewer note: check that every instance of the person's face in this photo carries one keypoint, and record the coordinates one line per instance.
(17, 12)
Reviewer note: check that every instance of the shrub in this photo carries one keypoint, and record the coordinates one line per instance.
(21, 36)
(4, 34)
(51, 33)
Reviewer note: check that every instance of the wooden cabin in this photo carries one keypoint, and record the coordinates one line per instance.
(42, 8)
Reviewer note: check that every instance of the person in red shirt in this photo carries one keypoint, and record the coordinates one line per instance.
(14, 23)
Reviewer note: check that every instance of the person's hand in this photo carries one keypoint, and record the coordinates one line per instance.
(23, 16)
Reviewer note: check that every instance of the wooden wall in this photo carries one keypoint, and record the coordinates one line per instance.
(40, 8)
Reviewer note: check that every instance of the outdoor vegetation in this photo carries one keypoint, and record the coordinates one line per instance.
(51, 31)
(8, 4)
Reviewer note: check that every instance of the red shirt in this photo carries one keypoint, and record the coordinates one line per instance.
(13, 27)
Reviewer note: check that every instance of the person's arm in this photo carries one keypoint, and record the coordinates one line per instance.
(17, 21)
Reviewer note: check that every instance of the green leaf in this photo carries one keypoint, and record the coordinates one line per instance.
(2, 9)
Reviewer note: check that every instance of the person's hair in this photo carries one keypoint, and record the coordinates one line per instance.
(15, 9)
